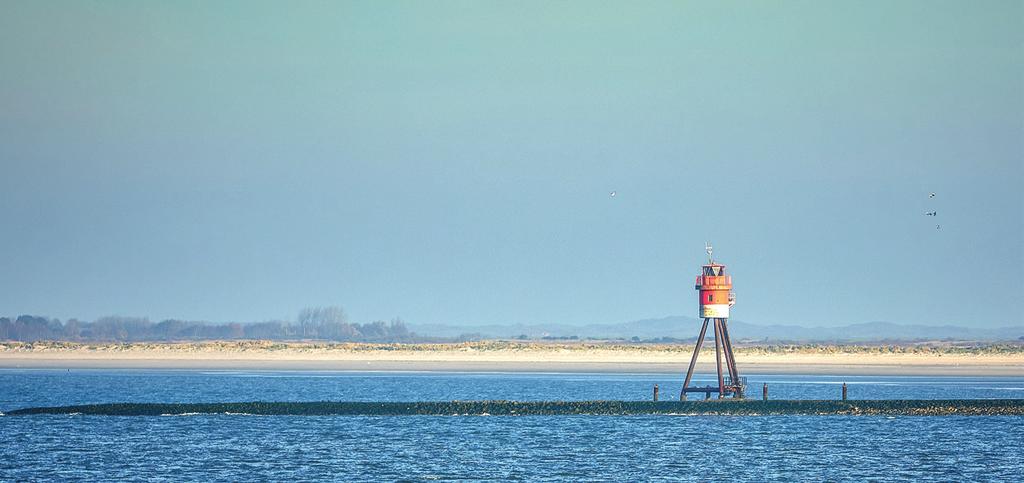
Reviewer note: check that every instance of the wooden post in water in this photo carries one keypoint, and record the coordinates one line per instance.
(844, 391)
(765, 395)
(655, 393)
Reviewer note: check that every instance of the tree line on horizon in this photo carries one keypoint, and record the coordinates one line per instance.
(319, 323)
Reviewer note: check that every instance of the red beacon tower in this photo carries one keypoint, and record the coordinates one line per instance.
(716, 297)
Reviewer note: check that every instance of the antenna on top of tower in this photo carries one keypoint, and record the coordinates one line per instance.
(707, 248)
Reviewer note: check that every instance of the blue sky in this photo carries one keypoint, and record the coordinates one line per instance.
(451, 162)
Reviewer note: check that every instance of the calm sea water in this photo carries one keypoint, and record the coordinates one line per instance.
(239, 447)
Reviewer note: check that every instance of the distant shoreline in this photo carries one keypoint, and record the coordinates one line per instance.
(502, 357)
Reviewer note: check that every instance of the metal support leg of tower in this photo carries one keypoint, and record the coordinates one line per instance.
(718, 357)
(734, 373)
(693, 360)
(718, 339)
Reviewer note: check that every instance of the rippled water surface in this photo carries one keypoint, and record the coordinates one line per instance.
(238, 447)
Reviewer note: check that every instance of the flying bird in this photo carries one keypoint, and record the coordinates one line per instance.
(612, 194)
(938, 227)
(931, 213)
(931, 195)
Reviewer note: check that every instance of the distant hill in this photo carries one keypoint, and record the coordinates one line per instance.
(681, 327)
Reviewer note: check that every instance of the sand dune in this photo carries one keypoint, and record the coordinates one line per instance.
(505, 356)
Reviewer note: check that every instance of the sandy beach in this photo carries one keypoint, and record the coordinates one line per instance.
(501, 357)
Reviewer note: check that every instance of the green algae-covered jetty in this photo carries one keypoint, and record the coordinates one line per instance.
(893, 407)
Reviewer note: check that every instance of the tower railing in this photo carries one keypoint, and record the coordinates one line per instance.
(742, 381)
(704, 280)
